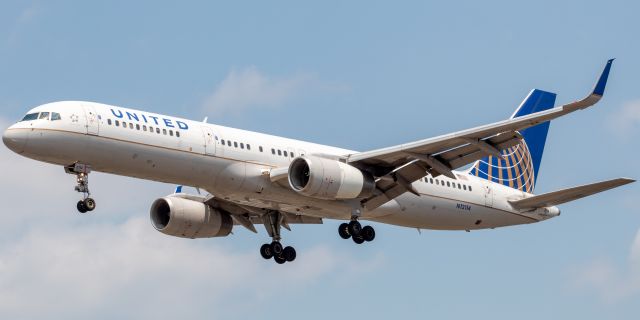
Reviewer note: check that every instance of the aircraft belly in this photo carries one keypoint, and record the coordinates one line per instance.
(432, 212)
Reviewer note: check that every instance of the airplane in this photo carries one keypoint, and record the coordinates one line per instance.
(479, 178)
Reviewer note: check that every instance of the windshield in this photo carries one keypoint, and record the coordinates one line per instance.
(30, 116)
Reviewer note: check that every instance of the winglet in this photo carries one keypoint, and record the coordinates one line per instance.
(602, 82)
(178, 189)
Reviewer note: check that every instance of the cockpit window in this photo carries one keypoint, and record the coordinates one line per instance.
(44, 115)
(55, 116)
(30, 116)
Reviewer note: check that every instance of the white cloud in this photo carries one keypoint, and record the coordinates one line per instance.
(80, 272)
(626, 120)
(249, 88)
(26, 16)
(610, 282)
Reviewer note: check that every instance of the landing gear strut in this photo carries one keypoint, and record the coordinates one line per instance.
(81, 171)
(356, 232)
(273, 221)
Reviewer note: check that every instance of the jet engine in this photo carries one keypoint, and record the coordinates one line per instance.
(323, 178)
(189, 219)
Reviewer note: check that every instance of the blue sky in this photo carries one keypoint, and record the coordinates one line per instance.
(358, 75)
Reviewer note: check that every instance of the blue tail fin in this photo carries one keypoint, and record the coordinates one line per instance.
(519, 165)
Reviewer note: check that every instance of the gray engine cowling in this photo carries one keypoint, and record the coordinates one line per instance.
(189, 219)
(328, 179)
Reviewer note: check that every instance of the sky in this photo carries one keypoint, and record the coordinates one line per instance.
(358, 75)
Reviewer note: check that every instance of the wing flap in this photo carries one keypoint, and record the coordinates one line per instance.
(567, 195)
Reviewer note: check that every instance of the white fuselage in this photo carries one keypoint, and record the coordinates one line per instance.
(234, 165)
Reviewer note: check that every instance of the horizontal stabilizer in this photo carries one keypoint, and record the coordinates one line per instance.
(567, 195)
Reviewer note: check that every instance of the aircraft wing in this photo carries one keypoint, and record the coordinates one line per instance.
(247, 216)
(398, 166)
(567, 195)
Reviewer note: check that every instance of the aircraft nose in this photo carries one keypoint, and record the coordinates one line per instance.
(15, 139)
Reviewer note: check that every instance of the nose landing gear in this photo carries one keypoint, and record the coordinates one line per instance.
(81, 171)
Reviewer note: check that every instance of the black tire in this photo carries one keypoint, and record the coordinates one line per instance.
(355, 228)
(359, 239)
(81, 207)
(368, 233)
(279, 259)
(276, 248)
(343, 231)
(265, 251)
(289, 253)
(89, 204)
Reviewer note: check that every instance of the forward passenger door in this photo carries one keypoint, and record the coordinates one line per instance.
(92, 121)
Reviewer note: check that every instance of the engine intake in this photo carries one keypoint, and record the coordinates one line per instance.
(329, 179)
(189, 219)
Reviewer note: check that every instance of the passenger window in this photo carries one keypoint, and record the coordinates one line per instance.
(235, 144)
(470, 188)
(292, 155)
(260, 148)
(248, 147)
(448, 185)
(144, 128)
(117, 123)
(459, 186)
(178, 134)
(130, 125)
(279, 152)
(164, 131)
(241, 145)
(464, 187)
(44, 115)
(151, 129)
(158, 130)
(431, 180)
(285, 153)
(137, 126)
(108, 121)
(222, 141)
(273, 151)
(30, 116)
(171, 133)
(56, 116)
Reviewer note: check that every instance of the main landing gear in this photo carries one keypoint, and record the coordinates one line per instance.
(81, 171)
(356, 232)
(273, 220)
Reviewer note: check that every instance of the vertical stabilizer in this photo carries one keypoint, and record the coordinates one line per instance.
(519, 165)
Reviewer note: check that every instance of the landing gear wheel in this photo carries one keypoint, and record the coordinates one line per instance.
(368, 233)
(276, 248)
(279, 259)
(358, 239)
(89, 204)
(354, 228)
(265, 251)
(81, 207)
(289, 253)
(343, 231)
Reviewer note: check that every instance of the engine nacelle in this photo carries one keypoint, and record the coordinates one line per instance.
(189, 219)
(328, 179)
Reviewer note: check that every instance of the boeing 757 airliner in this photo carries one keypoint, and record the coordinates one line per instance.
(253, 178)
